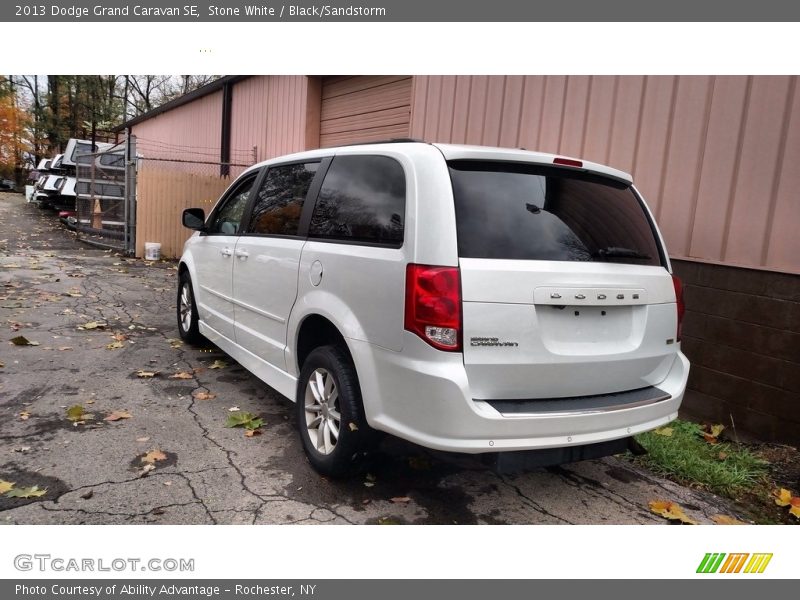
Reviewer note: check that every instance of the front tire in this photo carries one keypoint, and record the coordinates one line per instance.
(330, 414)
(188, 327)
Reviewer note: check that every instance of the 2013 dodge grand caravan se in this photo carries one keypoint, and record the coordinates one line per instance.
(467, 299)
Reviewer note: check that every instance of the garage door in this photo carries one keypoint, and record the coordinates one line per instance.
(364, 109)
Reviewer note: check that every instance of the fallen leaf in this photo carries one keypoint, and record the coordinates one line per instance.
(21, 340)
(120, 337)
(352, 426)
(722, 455)
(726, 520)
(76, 414)
(181, 375)
(153, 456)
(92, 325)
(2, 364)
(87, 495)
(252, 432)
(115, 345)
(158, 511)
(118, 415)
(65, 348)
(244, 419)
(234, 409)
(795, 510)
(30, 492)
(388, 521)
(143, 439)
(218, 364)
(401, 500)
(711, 433)
(5, 486)
(204, 395)
(146, 469)
(24, 415)
(670, 510)
(146, 374)
(369, 484)
(665, 431)
(783, 497)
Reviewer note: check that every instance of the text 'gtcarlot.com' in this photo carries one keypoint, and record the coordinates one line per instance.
(47, 562)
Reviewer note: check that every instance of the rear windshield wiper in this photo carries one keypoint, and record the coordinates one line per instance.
(616, 252)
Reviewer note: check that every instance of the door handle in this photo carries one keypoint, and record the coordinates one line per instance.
(242, 254)
(226, 252)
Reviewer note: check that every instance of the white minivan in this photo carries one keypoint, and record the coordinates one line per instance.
(468, 299)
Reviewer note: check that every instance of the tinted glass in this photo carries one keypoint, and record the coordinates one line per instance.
(512, 211)
(112, 160)
(363, 199)
(280, 200)
(226, 220)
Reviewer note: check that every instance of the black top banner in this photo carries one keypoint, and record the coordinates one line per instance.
(404, 11)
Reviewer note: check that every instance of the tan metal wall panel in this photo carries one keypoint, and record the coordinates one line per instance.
(714, 156)
(759, 167)
(269, 114)
(783, 245)
(190, 132)
(720, 164)
(358, 109)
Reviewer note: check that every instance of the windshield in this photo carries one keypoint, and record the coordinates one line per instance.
(530, 212)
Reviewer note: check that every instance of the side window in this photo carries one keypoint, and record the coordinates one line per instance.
(225, 221)
(280, 200)
(363, 199)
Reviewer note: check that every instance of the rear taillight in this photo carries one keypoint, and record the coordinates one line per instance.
(676, 282)
(433, 305)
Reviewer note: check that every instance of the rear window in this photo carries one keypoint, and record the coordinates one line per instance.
(531, 212)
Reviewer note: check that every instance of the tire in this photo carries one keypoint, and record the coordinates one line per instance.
(330, 454)
(186, 311)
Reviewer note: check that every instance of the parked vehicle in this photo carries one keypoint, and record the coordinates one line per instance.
(76, 147)
(7, 184)
(49, 190)
(468, 299)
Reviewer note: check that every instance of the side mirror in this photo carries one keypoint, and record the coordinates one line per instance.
(194, 218)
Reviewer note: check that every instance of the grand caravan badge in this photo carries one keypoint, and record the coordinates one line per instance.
(491, 341)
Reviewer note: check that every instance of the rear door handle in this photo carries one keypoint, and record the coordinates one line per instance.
(242, 254)
(226, 252)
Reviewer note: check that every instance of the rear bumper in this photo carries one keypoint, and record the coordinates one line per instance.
(423, 395)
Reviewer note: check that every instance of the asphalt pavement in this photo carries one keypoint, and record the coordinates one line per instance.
(154, 448)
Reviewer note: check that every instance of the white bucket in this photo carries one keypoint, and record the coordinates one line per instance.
(152, 251)
(29, 193)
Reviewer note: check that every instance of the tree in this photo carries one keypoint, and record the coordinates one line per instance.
(13, 131)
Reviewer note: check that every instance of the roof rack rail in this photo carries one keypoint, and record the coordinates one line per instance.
(389, 141)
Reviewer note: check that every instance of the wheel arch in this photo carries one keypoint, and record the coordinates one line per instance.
(313, 331)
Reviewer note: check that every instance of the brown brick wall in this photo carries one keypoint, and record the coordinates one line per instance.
(742, 335)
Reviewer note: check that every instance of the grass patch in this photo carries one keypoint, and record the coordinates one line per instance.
(724, 468)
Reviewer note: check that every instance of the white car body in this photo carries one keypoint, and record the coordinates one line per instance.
(520, 348)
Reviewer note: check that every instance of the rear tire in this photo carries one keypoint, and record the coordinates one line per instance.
(188, 327)
(330, 413)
